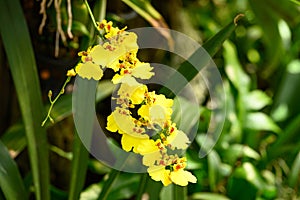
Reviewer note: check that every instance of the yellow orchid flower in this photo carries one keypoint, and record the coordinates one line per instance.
(177, 140)
(135, 93)
(159, 173)
(157, 109)
(89, 70)
(133, 141)
(182, 177)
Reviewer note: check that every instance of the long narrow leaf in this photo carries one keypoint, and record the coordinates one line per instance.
(20, 55)
(211, 47)
(79, 164)
(10, 179)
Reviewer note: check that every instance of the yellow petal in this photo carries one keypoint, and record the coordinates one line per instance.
(159, 173)
(182, 177)
(135, 93)
(157, 113)
(142, 70)
(130, 142)
(128, 79)
(89, 70)
(162, 100)
(100, 56)
(147, 147)
(111, 124)
(144, 112)
(178, 140)
(124, 122)
(130, 41)
(150, 158)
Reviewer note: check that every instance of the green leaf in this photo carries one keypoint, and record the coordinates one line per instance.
(296, 2)
(79, 164)
(10, 179)
(149, 188)
(149, 13)
(180, 193)
(91, 192)
(124, 186)
(256, 100)
(261, 122)
(234, 70)
(248, 172)
(266, 17)
(17, 44)
(167, 192)
(79, 28)
(235, 151)
(286, 139)
(108, 184)
(14, 138)
(185, 114)
(286, 96)
(208, 196)
(187, 68)
(293, 177)
(214, 163)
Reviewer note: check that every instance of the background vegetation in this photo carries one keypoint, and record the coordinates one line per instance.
(258, 153)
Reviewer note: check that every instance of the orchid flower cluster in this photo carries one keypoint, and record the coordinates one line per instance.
(150, 131)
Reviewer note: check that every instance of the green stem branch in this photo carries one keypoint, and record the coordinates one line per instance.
(62, 91)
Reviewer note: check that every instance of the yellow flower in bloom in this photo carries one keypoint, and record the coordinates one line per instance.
(132, 135)
(105, 55)
(159, 173)
(135, 93)
(127, 75)
(178, 140)
(168, 173)
(149, 159)
(89, 70)
(121, 121)
(182, 177)
(134, 141)
(157, 108)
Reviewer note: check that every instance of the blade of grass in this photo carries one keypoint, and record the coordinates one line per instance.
(187, 68)
(20, 55)
(10, 178)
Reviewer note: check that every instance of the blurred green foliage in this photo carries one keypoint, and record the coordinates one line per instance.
(257, 155)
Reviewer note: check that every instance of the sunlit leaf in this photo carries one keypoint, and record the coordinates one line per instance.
(256, 100)
(208, 196)
(260, 121)
(233, 68)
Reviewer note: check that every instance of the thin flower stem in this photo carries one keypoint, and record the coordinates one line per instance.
(91, 13)
(52, 102)
(93, 18)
